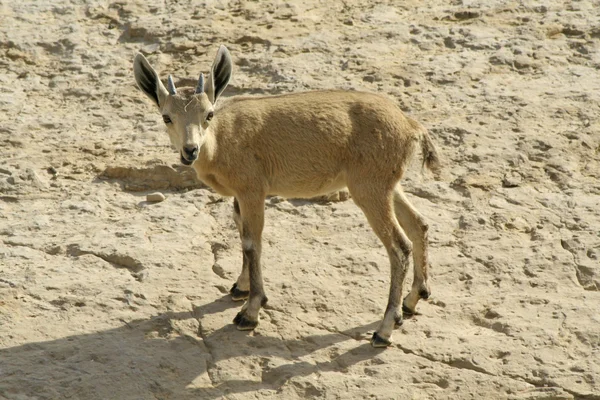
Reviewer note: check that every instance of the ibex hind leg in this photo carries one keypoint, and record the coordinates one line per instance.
(416, 228)
(376, 203)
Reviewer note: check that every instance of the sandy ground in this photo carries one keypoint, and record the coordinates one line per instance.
(106, 296)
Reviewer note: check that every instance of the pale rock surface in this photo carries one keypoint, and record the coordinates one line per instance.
(105, 297)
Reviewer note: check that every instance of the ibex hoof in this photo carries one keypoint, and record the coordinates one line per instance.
(407, 312)
(424, 294)
(237, 294)
(243, 323)
(378, 341)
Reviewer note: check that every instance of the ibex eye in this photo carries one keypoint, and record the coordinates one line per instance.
(167, 119)
(210, 115)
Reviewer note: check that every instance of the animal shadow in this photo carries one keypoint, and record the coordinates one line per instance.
(151, 358)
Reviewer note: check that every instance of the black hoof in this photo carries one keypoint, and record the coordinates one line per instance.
(378, 341)
(424, 294)
(237, 318)
(243, 323)
(407, 312)
(237, 294)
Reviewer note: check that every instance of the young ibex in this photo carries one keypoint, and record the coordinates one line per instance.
(300, 145)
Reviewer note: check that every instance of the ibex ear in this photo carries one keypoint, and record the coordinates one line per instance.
(220, 74)
(148, 81)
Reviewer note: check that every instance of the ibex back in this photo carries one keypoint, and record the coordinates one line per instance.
(300, 145)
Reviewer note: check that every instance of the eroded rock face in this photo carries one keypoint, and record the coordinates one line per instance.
(104, 294)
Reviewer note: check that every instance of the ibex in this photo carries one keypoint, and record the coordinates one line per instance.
(300, 145)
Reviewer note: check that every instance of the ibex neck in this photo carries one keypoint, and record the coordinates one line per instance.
(206, 153)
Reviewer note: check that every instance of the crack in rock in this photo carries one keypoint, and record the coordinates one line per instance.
(583, 273)
(51, 251)
(9, 283)
(210, 364)
(216, 248)
(114, 258)
(154, 177)
(468, 365)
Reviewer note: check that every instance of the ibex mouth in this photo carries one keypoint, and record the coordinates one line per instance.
(185, 161)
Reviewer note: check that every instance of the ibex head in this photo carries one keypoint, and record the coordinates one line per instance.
(187, 112)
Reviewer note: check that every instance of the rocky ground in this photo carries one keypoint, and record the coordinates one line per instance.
(104, 295)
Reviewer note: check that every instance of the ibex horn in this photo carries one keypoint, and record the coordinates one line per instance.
(171, 86)
(200, 87)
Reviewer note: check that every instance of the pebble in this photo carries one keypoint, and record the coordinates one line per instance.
(156, 197)
(512, 179)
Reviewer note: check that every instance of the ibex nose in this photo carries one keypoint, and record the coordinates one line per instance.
(191, 152)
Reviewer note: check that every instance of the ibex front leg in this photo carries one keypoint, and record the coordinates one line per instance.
(241, 288)
(252, 210)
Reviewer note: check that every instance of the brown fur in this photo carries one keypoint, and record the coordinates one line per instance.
(305, 145)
